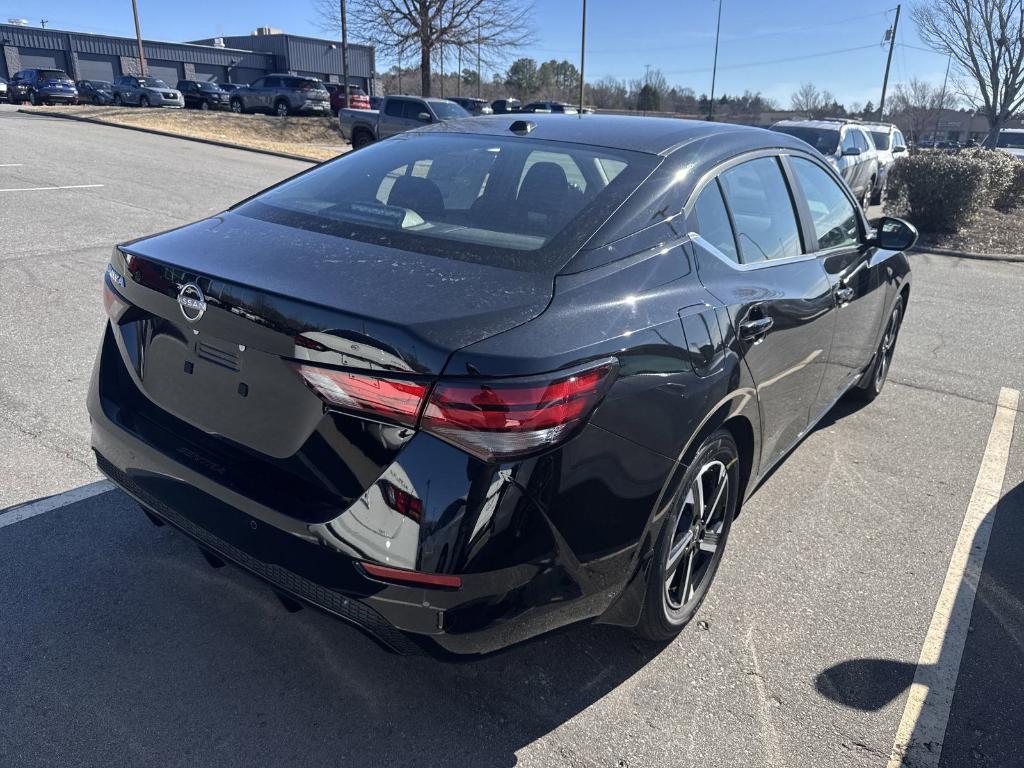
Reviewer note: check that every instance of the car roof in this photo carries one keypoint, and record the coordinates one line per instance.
(829, 125)
(652, 135)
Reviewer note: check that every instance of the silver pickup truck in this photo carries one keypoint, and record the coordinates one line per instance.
(360, 127)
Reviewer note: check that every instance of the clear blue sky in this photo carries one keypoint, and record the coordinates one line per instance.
(760, 38)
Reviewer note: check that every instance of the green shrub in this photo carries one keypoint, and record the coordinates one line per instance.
(1001, 170)
(943, 191)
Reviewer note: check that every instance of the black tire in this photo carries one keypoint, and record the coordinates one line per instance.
(281, 108)
(118, 101)
(361, 138)
(878, 196)
(32, 99)
(236, 106)
(204, 106)
(871, 382)
(144, 101)
(689, 550)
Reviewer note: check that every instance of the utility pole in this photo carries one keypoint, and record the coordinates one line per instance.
(43, 23)
(479, 71)
(583, 53)
(344, 55)
(888, 62)
(942, 99)
(138, 38)
(714, 65)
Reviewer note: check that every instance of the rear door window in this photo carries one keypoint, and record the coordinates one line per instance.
(849, 140)
(395, 107)
(762, 210)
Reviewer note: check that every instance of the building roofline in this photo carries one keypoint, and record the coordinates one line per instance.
(125, 37)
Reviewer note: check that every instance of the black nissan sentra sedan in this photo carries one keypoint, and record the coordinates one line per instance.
(498, 375)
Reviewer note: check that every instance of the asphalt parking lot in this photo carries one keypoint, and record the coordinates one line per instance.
(119, 646)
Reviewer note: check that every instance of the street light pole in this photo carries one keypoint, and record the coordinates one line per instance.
(138, 38)
(479, 49)
(583, 53)
(714, 66)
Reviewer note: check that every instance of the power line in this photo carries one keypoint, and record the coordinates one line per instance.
(764, 62)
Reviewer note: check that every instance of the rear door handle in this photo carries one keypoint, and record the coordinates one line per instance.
(756, 330)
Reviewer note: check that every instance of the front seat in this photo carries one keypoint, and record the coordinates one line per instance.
(418, 194)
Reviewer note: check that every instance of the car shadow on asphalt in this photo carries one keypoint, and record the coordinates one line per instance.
(119, 645)
(986, 715)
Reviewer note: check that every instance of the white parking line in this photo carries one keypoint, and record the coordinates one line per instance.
(44, 189)
(25, 511)
(10, 165)
(923, 727)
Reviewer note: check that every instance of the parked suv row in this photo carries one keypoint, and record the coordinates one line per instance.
(201, 94)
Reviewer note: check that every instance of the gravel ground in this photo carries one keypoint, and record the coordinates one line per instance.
(316, 138)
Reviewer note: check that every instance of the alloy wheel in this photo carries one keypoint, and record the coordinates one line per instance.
(888, 346)
(697, 534)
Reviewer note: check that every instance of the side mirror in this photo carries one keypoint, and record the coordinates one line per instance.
(892, 234)
(851, 151)
(423, 117)
(898, 148)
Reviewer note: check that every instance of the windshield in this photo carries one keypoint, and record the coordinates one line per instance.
(1012, 140)
(881, 139)
(101, 85)
(487, 199)
(205, 86)
(825, 140)
(152, 82)
(448, 110)
(52, 74)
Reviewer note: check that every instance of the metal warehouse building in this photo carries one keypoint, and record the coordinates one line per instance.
(223, 60)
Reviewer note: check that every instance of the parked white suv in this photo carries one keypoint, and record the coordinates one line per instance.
(1011, 141)
(847, 148)
(890, 144)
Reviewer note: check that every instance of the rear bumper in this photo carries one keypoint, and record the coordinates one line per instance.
(518, 578)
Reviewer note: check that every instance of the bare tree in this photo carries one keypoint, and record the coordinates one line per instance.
(814, 102)
(917, 105)
(394, 26)
(986, 40)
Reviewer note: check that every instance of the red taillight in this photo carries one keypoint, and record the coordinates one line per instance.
(393, 399)
(492, 419)
(115, 305)
(502, 418)
(412, 577)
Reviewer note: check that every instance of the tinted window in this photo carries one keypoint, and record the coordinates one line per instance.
(762, 210)
(825, 140)
(258, 82)
(834, 216)
(52, 74)
(1011, 139)
(272, 82)
(152, 82)
(413, 110)
(712, 221)
(880, 139)
(457, 195)
(394, 107)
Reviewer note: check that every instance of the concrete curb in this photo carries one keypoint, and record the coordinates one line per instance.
(214, 142)
(1011, 258)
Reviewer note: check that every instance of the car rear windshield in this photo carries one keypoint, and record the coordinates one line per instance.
(881, 139)
(152, 82)
(448, 110)
(52, 74)
(1011, 140)
(521, 204)
(825, 140)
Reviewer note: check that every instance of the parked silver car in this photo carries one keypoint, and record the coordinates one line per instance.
(890, 144)
(282, 95)
(146, 91)
(847, 148)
